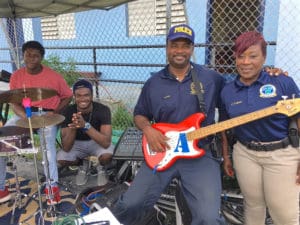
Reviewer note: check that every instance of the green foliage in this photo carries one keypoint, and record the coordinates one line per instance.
(122, 119)
(66, 69)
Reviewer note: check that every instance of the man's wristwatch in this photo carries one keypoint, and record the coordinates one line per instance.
(87, 126)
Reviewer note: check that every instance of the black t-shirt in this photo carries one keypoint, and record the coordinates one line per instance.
(99, 116)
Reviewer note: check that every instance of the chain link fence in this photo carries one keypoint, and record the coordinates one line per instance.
(118, 49)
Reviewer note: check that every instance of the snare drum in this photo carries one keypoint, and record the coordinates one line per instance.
(14, 144)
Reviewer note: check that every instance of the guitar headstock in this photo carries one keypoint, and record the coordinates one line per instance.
(288, 107)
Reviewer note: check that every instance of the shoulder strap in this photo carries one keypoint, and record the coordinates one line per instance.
(198, 91)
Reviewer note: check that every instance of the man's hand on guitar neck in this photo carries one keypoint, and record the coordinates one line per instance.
(156, 140)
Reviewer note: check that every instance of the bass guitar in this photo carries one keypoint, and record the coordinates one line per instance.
(184, 136)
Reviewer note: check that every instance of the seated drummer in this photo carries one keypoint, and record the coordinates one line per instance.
(36, 75)
(86, 131)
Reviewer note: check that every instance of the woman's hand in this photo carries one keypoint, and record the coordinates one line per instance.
(298, 175)
(275, 71)
(227, 165)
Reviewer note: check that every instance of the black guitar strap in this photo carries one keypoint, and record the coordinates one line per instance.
(199, 91)
(215, 145)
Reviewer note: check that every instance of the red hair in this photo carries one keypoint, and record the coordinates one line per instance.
(247, 39)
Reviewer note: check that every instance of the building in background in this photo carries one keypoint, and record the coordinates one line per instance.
(127, 43)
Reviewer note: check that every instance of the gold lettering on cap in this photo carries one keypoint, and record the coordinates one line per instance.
(183, 30)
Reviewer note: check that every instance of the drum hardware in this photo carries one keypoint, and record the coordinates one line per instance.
(51, 210)
(17, 95)
(26, 102)
(7, 149)
(41, 121)
(25, 96)
(19, 196)
(12, 139)
(38, 121)
(13, 145)
(10, 146)
(12, 131)
(40, 210)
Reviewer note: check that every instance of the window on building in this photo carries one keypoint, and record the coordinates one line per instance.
(148, 17)
(58, 27)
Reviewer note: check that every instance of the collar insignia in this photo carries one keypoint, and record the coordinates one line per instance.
(193, 89)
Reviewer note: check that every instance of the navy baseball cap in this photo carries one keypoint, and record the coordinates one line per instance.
(82, 84)
(181, 31)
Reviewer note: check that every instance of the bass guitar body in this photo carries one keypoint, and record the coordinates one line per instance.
(180, 146)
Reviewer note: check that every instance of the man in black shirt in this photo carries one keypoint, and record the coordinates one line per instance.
(86, 131)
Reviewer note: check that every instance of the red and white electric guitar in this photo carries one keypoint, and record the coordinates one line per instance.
(183, 137)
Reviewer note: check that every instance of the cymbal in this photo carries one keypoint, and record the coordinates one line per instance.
(35, 94)
(41, 121)
(13, 130)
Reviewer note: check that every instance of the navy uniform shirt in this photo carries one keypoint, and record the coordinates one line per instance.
(165, 99)
(239, 99)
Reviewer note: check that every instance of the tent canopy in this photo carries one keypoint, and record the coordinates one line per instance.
(40, 8)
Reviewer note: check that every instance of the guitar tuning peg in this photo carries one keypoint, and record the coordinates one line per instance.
(284, 97)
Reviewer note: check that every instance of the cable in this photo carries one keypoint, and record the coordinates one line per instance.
(72, 219)
(159, 211)
(86, 201)
(78, 220)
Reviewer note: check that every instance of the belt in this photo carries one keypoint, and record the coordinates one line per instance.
(267, 146)
(37, 109)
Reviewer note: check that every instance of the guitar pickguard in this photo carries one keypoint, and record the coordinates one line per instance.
(180, 147)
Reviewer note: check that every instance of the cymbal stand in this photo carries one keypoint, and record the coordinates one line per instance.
(51, 210)
(40, 210)
(19, 195)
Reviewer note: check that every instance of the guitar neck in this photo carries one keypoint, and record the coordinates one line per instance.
(234, 122)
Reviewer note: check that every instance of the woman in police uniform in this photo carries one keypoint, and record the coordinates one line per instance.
(265, 162)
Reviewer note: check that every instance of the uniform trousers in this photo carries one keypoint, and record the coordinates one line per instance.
(268, 180)
(201, 187)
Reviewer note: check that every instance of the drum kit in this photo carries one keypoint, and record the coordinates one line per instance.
(18, 140)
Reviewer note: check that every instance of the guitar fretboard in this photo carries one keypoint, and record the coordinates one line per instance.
(224, 125)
